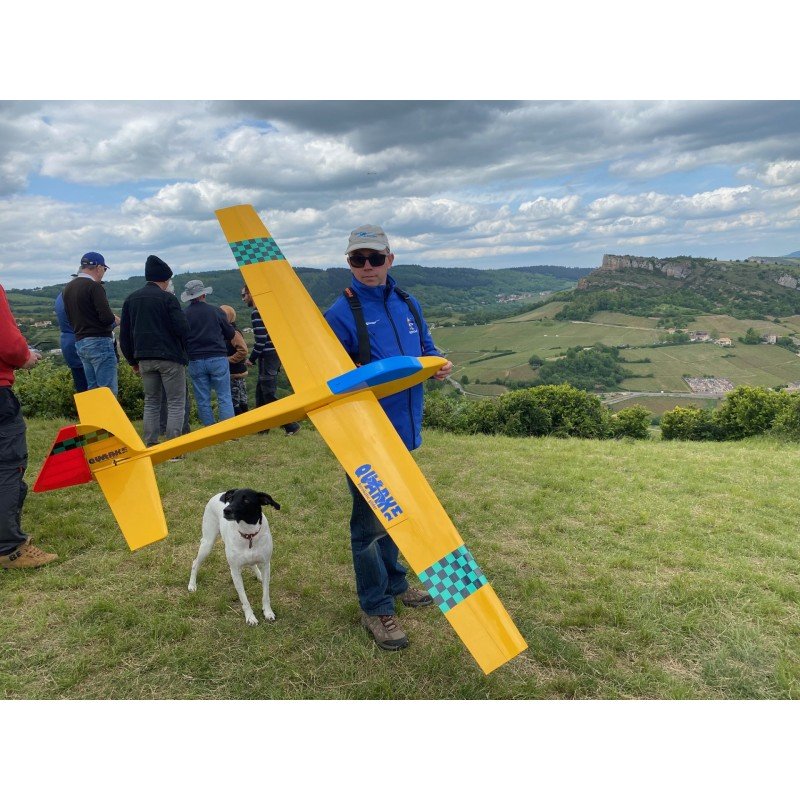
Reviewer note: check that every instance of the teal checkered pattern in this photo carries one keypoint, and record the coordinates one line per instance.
(254, 251)
(453, 578)
(80, 441)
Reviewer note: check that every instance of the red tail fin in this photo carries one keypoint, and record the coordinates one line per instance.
(66, 463)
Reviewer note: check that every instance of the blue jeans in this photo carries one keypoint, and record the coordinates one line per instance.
(379, 574)
(99, 361)
(208, 374)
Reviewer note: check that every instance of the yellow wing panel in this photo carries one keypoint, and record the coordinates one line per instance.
(132, 493)
(309, 351)
(364, 440)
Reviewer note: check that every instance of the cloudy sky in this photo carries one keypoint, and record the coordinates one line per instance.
(454, 183)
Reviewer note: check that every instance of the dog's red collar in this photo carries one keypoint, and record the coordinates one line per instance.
(250, 537)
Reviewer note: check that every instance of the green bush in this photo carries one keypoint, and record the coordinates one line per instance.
(787, 421)
(748, 411)
(633, 421)
(560, 410)
(47, 390)
(688, 423)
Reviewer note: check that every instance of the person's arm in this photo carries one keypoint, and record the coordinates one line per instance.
(240, 353)
(125, 337)
(259, 335)
(104, 312)
(228, 331)
(14, 349)
(177, 320)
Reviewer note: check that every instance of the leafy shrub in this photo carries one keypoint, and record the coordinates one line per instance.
(561, 410)
(633, 421)
(688, 423)
(787, 420)
(748, 411)
(47, 390)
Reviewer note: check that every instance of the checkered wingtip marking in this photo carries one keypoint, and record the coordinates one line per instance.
(453, 578)
(79, 441)
(254, 251)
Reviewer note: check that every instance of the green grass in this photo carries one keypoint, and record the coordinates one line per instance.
(633, 570)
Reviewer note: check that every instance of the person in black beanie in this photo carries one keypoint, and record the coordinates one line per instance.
(153, 336)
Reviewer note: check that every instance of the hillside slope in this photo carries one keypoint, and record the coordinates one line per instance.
(676, 288)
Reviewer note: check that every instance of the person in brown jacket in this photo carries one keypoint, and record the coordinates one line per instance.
(237, 360)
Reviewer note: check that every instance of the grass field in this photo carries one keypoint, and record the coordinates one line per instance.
(633, 570)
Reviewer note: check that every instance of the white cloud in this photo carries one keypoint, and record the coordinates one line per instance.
(453, 183)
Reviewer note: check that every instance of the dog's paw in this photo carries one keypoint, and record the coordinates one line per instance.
(269, 615)
(251, 619)
(192, 587)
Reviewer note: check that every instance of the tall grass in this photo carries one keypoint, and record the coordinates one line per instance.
(633, 570)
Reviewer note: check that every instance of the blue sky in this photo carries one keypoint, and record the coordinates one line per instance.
(455, 183)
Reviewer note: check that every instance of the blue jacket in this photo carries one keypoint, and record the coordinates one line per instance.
(209, 330)
(67, 336)
(392, 332)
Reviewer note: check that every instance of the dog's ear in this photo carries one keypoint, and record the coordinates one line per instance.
(266, 500)
(228, 496)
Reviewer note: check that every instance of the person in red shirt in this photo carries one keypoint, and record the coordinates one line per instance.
(16, 549)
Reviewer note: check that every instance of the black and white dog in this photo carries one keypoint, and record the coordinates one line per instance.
(236, 516)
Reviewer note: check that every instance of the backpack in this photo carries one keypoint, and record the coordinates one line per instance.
(364, 351)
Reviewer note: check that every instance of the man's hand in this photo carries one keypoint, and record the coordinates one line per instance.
(135, 368)
(33, 358)
(444, 372)
(249, 363)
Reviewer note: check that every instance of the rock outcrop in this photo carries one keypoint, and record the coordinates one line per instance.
(672, 268)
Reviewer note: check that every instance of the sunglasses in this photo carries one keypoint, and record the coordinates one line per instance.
(359, 262)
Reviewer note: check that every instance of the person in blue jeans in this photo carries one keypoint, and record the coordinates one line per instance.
(92, 319)
(393, 325)
(209, 330)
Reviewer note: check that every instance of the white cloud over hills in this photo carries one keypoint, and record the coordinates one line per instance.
(462, 183)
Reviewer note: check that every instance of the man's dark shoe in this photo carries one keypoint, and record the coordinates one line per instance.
(385, 630)
(414, 598)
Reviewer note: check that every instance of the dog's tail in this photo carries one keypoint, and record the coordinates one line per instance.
(106, 447)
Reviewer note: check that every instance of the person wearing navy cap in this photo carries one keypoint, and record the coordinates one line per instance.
(92, 319)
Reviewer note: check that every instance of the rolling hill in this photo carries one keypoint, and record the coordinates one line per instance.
(448, 295)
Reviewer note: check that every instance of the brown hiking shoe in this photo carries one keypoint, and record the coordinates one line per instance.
(414, 598)
(385, 630)
(26, 555)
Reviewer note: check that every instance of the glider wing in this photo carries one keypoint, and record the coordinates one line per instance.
(364, 440)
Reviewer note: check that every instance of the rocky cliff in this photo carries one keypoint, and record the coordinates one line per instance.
(671, 267)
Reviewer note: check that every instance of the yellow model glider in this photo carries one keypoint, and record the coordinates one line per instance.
(342, 402)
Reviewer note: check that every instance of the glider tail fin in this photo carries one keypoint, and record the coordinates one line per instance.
(106, 446)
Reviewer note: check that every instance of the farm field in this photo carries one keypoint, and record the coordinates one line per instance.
(472, 349)
(633, 570)
(753, 365)
(468, 347)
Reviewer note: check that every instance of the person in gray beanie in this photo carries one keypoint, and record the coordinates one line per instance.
(153, 336)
